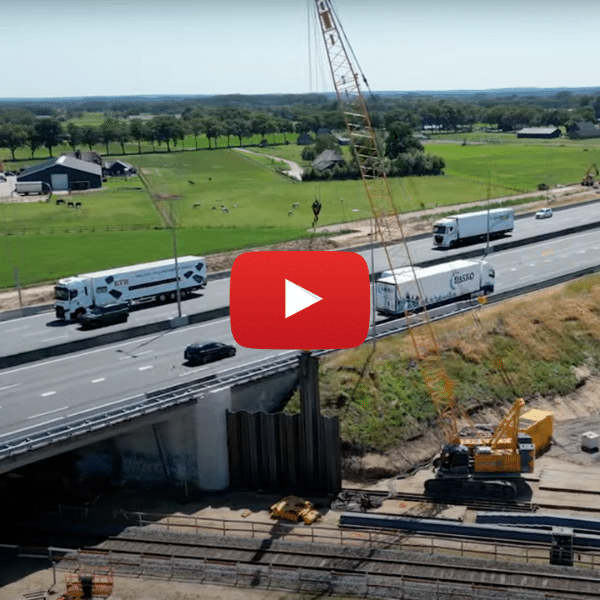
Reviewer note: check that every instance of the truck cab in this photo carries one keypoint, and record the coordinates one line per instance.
(72, 297)
(445, 233)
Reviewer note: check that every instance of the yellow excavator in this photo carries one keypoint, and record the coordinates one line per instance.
(588, 179)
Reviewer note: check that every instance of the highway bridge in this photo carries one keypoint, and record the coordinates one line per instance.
(111, 395)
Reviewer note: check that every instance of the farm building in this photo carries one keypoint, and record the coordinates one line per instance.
(118, 167)
(304, 140)
(86, 155)
(327, 159)
(342, 141)
(583, 129)
(64, 173)
(539, 132)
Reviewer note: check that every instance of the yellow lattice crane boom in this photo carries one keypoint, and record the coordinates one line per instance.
(465, 457)
(345, 74)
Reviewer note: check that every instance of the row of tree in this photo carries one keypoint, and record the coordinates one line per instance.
(23, 129)
(20, 127)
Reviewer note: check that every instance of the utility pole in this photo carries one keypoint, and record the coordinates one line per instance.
(181, 319)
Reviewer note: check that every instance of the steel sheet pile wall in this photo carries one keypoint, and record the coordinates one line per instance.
(269, 451)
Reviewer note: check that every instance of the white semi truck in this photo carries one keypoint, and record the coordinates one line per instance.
(470, 227)
(440, 284)
(136, 283)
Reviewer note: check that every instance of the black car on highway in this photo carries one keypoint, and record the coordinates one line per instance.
(99, 316)
(199, 354)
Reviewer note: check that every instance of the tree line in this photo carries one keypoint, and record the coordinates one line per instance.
(36, 126)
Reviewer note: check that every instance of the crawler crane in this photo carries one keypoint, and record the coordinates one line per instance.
(478, 462)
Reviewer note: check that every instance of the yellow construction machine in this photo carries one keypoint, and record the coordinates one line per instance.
(588, 178)
(476, 464)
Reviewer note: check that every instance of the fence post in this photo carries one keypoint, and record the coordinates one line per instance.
(196, 523)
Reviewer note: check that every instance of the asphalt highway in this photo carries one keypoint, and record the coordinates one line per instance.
(73, 385)
(43, 329)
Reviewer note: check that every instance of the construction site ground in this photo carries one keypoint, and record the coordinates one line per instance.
(352, 234)
(565, 481)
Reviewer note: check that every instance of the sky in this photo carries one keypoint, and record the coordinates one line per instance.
(65, 48)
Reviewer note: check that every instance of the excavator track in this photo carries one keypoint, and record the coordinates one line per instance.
(497, 489)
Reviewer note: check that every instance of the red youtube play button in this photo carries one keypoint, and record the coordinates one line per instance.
(299, 300)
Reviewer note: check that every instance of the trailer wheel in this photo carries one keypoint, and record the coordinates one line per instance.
(77, 314)
(162, 298)
(172, 296)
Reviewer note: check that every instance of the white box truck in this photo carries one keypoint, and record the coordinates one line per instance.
(136, 283)
(440, 284)
(470, 227)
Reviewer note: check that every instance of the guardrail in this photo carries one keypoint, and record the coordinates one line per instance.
(146, 404)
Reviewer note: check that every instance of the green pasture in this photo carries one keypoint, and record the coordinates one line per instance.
(47, 257)
(88, 118)
(116, 226)
(518, 167)
(253, 194)
(121, 204)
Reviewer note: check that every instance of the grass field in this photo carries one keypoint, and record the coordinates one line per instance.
(45, 258)
(121, 204)
(259, 203)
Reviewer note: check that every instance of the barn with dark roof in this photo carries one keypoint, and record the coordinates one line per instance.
(539, 132)
(64, 173)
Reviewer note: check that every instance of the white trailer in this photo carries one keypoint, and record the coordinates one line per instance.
(470, 227)
(29, 187)
(437, 285)
(133, 284)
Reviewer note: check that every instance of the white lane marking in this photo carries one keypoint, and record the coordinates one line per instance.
(31, 427)
(58, 337)
(145, 368)
(48, 412)
(103, 405)
(138, 341)
(30, 334)
(47, 394)
(513, 269)
(98, 380)
(7, 387)
(16, 329)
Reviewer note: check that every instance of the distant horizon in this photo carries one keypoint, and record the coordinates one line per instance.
(86, 49)
(450, 92)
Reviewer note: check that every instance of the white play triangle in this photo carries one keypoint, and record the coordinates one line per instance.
(297, 298)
